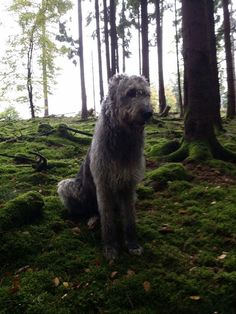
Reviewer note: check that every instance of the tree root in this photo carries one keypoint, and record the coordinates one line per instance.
(200, 151)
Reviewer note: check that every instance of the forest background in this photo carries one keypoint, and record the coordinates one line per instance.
(65, 92)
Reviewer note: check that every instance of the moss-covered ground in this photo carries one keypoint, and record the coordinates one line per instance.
(186, 220)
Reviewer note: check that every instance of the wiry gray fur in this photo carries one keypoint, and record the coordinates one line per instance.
(114, 164)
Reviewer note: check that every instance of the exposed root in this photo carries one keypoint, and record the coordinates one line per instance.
(200, 151)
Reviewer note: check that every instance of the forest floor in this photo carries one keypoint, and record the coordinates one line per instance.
(186, 221)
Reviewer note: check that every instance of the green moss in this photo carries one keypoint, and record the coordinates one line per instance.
(197, 216)
(144, 192)
(180, 186)
(24, 209)
(169, 172)
(199, 151)
(164, 149)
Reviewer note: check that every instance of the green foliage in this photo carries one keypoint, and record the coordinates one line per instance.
(8, 114)
(38, 22)
(54, 265)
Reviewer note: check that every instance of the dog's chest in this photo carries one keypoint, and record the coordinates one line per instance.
(123, 175)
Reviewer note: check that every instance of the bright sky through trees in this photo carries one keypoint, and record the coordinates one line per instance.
(66, 95)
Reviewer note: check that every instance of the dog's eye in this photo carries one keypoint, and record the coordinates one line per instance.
(132, 93)
(140, 92)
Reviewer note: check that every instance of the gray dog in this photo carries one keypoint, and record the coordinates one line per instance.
(106, 182)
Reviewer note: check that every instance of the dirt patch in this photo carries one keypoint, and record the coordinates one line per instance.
(208, 174)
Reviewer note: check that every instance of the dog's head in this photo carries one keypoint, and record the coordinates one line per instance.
(130, 100)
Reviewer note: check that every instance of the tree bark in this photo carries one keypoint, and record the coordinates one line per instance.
(106, 35)
(44, 64)
(159, 19)
(180, 98)
(99, 50)
(145, 43)
(84, 111)
(229, 61)
(29, 76)
(214, 64)
(199, 141)
(113, 35)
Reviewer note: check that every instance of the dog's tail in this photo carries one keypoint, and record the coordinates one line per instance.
(75, 200)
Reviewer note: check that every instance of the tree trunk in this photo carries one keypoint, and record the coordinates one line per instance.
(229, 61)
(123, 35)
(199, 140)
(214, 64)
(29, 76)
(113, 35)
(180, 99)
(44, 64)
(99, 50)
(145, 43)
(139, 43)
(159, 19)
(106, 34)
(197, 62)
(84, 112)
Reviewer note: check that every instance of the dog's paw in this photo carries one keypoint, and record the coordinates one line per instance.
(135, 250)
(110, 253)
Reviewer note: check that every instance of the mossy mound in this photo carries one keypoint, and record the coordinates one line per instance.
(24, 209)
(168, 172)
(45, 128)
(144, 192)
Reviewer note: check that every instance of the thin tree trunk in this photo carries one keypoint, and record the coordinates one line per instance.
(94, 101)
(45, 73)
(84, 112)
(162, 97)
(229, 61)
(145, 43)
(113, 35)
(180, 99)
(123, 35)
(107, 46)
(99, 50)
(29, 76)
(139, 43)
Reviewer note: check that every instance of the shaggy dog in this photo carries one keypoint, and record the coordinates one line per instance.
(106, 182)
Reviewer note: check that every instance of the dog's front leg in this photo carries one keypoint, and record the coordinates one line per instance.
(109, 234)
(129, 225)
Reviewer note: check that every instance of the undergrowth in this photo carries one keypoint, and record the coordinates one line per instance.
(186, 217)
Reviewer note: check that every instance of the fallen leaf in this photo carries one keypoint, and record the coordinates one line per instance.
(113, 274)
(222, 256)
(195, 297)
(56, 281)
(130, 273)
(66, 284)
(15, 284)
(166, 229)
(22, 269)
(76, 230)
(147, 286)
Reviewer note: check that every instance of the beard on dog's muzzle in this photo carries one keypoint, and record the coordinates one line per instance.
(147, 113)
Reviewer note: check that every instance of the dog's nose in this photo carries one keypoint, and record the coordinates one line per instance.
(147, 115)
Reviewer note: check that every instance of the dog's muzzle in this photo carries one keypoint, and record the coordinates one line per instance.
(147, 114)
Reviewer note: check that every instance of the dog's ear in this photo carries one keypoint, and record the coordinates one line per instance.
(114, 83)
